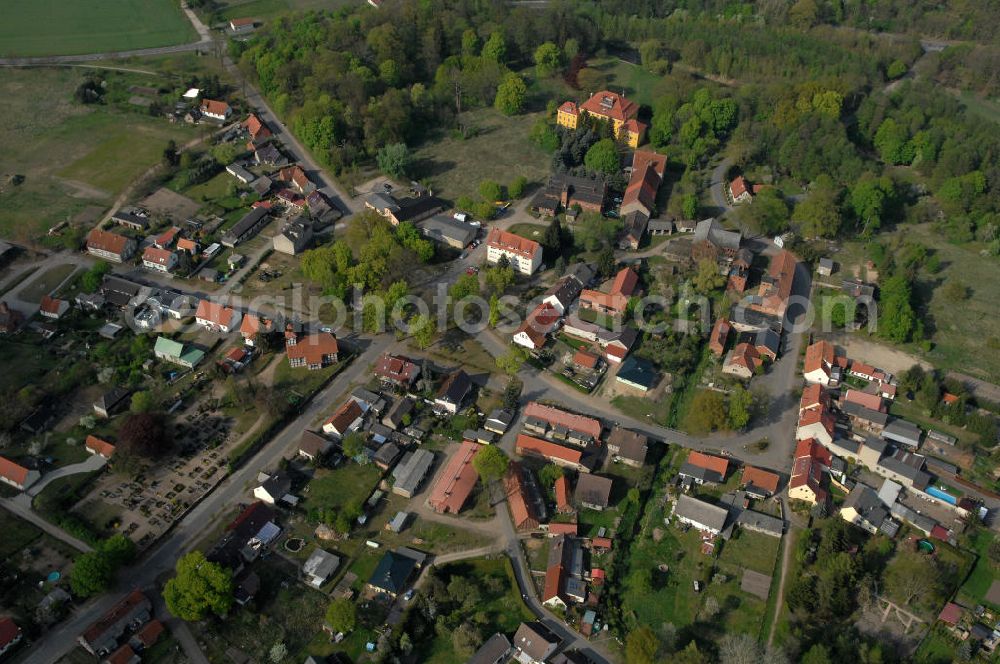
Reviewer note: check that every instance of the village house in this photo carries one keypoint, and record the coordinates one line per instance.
(561, 295)
(524, 255)
(269, 155)
(216, 110)
(101, 638)
(534, 642)
(178, 353)
(345, 419)
(159, 260)
(319, 567)
(111, 401)
(453, 391)
(101, 448)
(110, 246)
(241, 174)
(188, 245)
(313, 351)
(902, 432)
(638, 204)
(496, 650)
(807, 472)
(739, 190)
(247, 536)
(216, 317)
(700, 514)
(567, 192)
(274, 488)
(864, 509)
(704, 468)
(776, 285)
(637, 373)
(397, 371)
(498, 421)
(817, 423)
(53, 308)
(573, 458)
(522, 509)
(561, 424)
(313, 446)
(615, 301)
(394, 570)
(904, 467)
(719, 336)
(620, 112)
(456, 481)
(593, 491)
(822, 365)
(16, 475)
(166, 239)
(739, 271)
(628, 447)
(253, 326)
(713, 242)
(615, 344)
(538, 324)
(131, 218)
(759, 483)
(297, 179)
(743, 361)
(255, 127)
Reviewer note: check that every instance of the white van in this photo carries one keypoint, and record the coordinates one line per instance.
(461, 216)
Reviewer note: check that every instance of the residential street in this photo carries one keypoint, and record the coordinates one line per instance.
(153, 569)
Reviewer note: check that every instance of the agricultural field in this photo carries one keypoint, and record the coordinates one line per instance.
(267, 9)
(56, 27)
(70, 156)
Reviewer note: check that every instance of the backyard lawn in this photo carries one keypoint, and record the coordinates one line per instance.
(45, 283)
(979, 581)
(351, 484)
(57, 27)
(17, 534)
(499, 151)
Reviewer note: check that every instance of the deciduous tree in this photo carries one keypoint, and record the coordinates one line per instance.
(199, 588)
(490, 462)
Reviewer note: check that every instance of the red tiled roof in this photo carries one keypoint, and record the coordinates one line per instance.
(872, 401)
(572, 421)
(608, 104)
(806, 471)
(600, 542)
(553, 582)
(295, 175)
(123, 655)
(8, 631)
(313, 348)
(775, 290)
(862, 368)
(539, 323)
(114, 614)
(813, 450)
(817, 415)
(531, 445)
(255, 127)
(396, 368)
(344, 416)
(106, 241)
(166, 238)
(596, 299)
(50, 305)
(562, 494)
(188, 245)
(738, 186)
(745, 355)
(584, 359)
(569, 107)
(948, 398)
(625, 282)
(214, 313)
(642, 186)
(633, 126)
(157, 255)
(951, 613)
(101, 447)
(520, 513)
(150, 633)
(237, 354)
(719, 336)
(252, 324)
(214, 107)
(512, 243)
(708, 462)
(760, 478)
(818, 356)
(14, 472)
(644, 158)
(242, 21)
(456, 481)
(563, 528)
(939, 532)
(813, 396)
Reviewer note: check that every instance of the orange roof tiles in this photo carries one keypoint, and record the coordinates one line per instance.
(214, 313)
(562, 494)
(14, 472)
(531, 445)
(314, 348)
(872, 401)
(50, 305)
(813, 396)
(818, 356)
(720, 334)
(100, 447)
(456, 481)
(708, 462)
(608, 104)
(738, 186)
(818, 415)
(157, 255)
(520, 512)
(625, 282)
(584, 359)
(563, 528)
(760, 478)
(572, 421)
(344, 416)
(106, 241)
(808, 447)
(512, 243)
(776, 288)
(252, 324)
(213, 107)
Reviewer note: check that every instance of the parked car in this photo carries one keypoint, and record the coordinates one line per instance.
(409, 595)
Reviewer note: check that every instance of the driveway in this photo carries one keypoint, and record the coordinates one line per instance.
(717, 187)
(94, 462)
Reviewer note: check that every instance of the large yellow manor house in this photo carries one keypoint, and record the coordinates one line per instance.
(614, 108)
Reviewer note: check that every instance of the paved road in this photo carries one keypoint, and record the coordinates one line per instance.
(148, 572)
(21, 507)
(717, 187)
(92, 463)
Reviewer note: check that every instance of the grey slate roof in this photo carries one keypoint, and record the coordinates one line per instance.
(709, 230)
(901, 431)
(699, 473)
(412, 469)
(701, 512)
(494, 650)
(859, 411)
(759, 522)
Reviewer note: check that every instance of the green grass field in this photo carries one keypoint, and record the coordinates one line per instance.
(71, 156)
(46, 283)
(69, 27)
(17, 534)
(265, 9)
(500, 151)
(349, 484)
